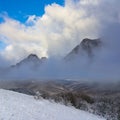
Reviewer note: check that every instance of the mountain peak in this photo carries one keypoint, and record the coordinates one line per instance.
(88, 42)
(86, 46)
(31, 61)
(32, 56)
(43, 58)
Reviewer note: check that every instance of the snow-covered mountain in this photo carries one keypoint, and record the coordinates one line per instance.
(17, 106)
(87, 47)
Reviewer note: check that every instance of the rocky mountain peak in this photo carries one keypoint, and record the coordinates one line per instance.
(86, 46)
(90, 43)
(31, 60)
(43, 58)
(32, 56)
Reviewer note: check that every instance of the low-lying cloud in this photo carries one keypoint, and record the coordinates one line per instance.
(60, 29)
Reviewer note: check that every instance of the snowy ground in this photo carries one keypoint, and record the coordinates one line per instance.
(17, 106)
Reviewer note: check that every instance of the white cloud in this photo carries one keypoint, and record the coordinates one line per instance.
(59, 29)
(88, 2)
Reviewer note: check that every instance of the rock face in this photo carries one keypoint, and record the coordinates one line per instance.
(31, 61)
(85, 48)
(88, 45)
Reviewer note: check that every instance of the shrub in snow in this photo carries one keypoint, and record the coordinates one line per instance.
(38, 95)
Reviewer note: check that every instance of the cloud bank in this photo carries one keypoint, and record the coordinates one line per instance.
(61, 28)
(53, 34)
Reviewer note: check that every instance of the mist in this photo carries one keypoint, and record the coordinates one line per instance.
(56, 33)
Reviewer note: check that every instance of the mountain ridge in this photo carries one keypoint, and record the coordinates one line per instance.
(32, 60)
(87, 47)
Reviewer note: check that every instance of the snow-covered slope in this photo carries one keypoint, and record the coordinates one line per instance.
(17, 106)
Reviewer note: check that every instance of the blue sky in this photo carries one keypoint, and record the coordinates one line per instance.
(20, 9)
(2, 45)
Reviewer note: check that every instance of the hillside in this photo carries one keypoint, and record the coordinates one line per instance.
(14, 106)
